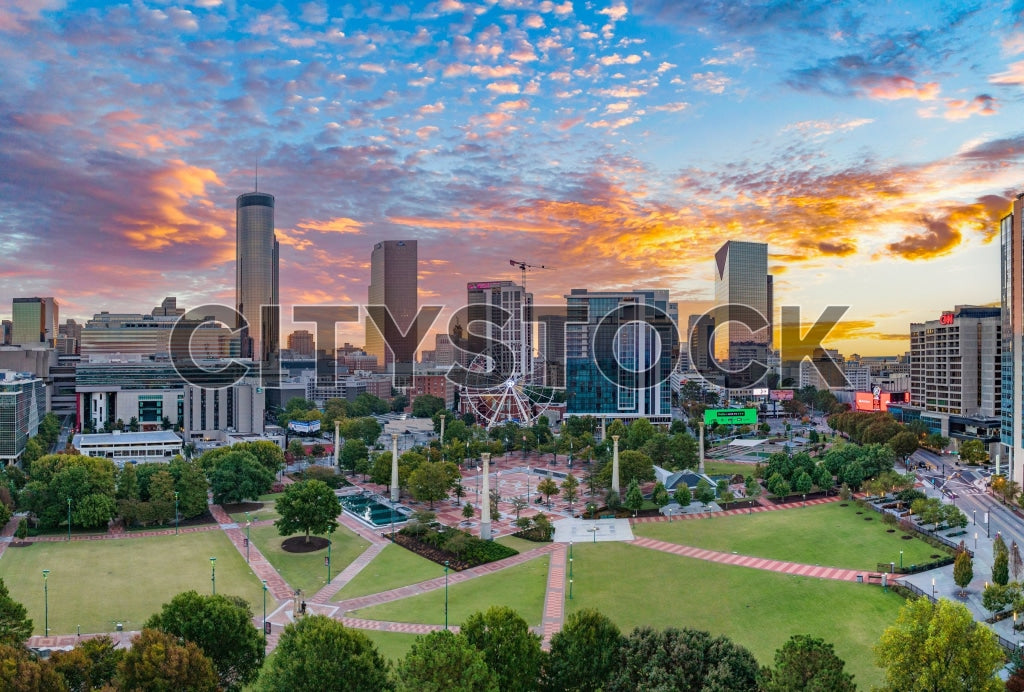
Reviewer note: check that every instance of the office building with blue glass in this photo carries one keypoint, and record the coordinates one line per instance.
(620, 347)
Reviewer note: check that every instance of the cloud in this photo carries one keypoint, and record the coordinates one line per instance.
(1014, 75)
(938, 238)
(712, 82)
(616, 59)
(960, 109)
(338, 224)
(896, 87)
(824, 128)
(503, 87)
(675, 107)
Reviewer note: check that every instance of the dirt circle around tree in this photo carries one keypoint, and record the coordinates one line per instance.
(244, 507)
(20, 544)
(297, 544)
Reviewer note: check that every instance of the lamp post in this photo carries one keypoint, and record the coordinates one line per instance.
(975, 513)
(506, 449)
(446, 594)
(570, 570)
(570, 453)
(529, 475)
(264, 617)
(69, 518)
(975, 540)
(442, 437)
(248, 523)
(213, 574)
(46, 604)
(176, 516)
(901, 559)
(328, 560)
(933, 589)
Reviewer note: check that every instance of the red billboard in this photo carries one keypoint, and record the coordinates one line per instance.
(781, 394)
(877, 401)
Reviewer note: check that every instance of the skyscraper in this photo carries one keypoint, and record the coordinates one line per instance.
(35, 322)
(393, 285)
(616, 367)
(743, 288)
(256, 274)
(498, 309)
(1011, 434)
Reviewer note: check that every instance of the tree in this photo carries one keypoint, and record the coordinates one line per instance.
(584, 653)
(752, 486)
(682, 495)
(547, 487)
(807, 663)
(569, 488)
(682, 659)
(22, 672)
(518, 504)
(995, 597)
(191, 486)
(634, 498)
(802, 482)
(15, 627)
(973, 451)
(297, 450)
(963, 570)
(938, 648)
(1001, 567)
(237, 477)
(352, 452)
(705, 494)
(92, 664)
(442, 661)
(612, 500)
(510, 649)
(468, 511)
(33, 450)
(632, 464)
(157, 661)
(429, 482)
(309, 506)
(161, 497)
(659, 496)
(904, 443)
(318, 653)
(94, 511)
(426, 405)
(221, 626)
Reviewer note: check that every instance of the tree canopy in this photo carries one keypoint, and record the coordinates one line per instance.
(15, 626)
(584, 653)
(445, 662)
(511, 650)
(309, 506)
(239, 476)
(159, 661)
(807, 663)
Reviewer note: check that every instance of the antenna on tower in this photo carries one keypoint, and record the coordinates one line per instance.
(257, 174)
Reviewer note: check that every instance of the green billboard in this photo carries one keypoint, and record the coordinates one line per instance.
(730, 416)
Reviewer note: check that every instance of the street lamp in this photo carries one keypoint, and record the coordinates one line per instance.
(506, 449)
(975, 540)
(975, 513)
(446, 594)
(264, 617)
(327, 561)
(901, 559)
(213, 574)
(46, 603)
(529, 475)
(69, 518)
(248, 523)
(176, 515)
(933, 589)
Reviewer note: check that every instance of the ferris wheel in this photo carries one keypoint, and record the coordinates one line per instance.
(496, 401)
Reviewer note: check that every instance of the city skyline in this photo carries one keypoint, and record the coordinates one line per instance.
(620, 143)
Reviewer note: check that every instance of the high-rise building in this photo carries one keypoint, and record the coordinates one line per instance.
(742, 284)
(22, 406)
(6, 332)
(35, 322)
(444, 351)
(300, 342)
(256, 274)
(1011, 434)
(700, 334)
(149, 335)
(615, 366)
(394, 286)
(499, 312)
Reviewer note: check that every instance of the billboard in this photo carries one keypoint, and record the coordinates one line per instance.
(730, 416)
(877, 400)
(303, 427)
(763, 391)
(781, 395)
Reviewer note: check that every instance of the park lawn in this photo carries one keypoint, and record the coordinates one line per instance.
(393, 646)
(393, 567)
(520, 544)
(824, 534)
(97, 584)
(307, 571)
(521, 588)
(721, 468)
(269, 510)
(756, 608)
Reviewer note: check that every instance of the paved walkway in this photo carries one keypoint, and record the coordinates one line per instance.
(7, 533)
(795, 568)
(346, 575)
(554, 598)
(770, 507)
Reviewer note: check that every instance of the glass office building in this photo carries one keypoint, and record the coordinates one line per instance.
(256, 274)
(22, 406)
(742, 283)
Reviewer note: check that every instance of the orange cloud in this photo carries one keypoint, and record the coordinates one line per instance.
(893, 88)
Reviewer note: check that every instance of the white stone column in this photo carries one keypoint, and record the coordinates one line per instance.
(485, 499)
(615, 463)
(394, 467)
(700, 443)
(336, 433)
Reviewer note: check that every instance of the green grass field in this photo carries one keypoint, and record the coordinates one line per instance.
(520, 544)
(391, 645)
(393, 567)
(757, 609)
(521, 588)
(268, 511)
(817, 535)
(98, 583)
(306, 571)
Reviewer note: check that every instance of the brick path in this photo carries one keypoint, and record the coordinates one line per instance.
(346, 575)
(796, 568)
(729, 512)
(7, 533)
(67, 641)
(354, 604)
(554, 597)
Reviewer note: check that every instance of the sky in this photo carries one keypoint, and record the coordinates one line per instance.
(873, 146)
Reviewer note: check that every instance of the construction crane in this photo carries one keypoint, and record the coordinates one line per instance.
(523, 266)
